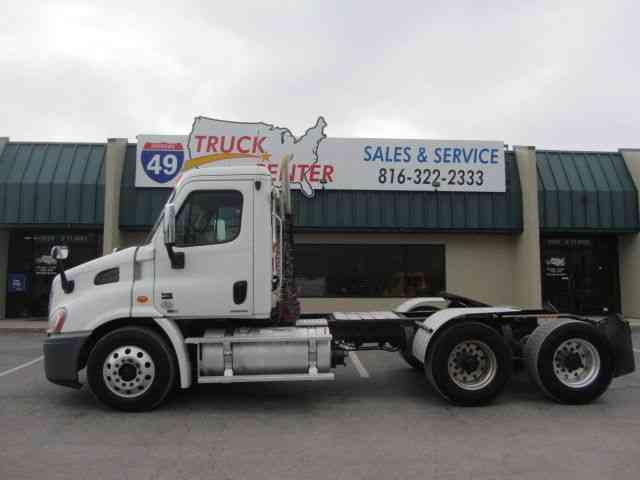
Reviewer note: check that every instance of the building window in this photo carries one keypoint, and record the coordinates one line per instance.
(369, 270)
(208, 217)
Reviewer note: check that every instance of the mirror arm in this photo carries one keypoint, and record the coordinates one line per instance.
(177, 258)
(169, 233)
(67, 285)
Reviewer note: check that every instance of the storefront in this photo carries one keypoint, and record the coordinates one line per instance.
(588, 208)
(564, 230)
(581, 274)
(50, 193)
(31, 269)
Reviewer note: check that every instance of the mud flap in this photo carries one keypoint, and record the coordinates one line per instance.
(618, 332)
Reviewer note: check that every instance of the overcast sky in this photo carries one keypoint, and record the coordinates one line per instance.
(552, 74)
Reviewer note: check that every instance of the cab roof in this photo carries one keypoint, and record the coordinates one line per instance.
(252, 170)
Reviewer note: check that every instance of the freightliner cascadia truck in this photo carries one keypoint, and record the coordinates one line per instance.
(210, 298)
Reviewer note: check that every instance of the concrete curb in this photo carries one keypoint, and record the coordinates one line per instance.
(23, 326)
(22, 330)
(40, 330)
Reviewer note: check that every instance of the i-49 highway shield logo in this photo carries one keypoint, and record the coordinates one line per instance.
(162, 161)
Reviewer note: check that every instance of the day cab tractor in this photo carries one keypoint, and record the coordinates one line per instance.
(210, 297)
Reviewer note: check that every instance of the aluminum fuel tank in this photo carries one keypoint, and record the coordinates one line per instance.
(267, 350)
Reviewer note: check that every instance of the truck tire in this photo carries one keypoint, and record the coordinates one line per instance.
(411, 360)
(131, 369)
(469, 364)
(571, 361)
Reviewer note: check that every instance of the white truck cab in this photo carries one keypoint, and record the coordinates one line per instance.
(201, 301)
(219, 264)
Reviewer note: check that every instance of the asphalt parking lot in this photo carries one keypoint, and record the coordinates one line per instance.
(388, 425)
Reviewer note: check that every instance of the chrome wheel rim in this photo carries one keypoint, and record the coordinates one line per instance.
(576, 363)
(472, 365)
(128, 371)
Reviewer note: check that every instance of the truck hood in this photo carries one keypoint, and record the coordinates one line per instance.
(120, 258)
(82, 299)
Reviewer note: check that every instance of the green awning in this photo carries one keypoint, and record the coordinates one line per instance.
(52, 183)
(590, 192)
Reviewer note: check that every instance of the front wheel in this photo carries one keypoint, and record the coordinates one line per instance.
(132, 369)
(469, 364)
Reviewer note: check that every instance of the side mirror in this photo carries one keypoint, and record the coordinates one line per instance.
(60, 252)
(169, 234)
(169, 224)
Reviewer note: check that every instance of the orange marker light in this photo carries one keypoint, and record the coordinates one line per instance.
(142, 299)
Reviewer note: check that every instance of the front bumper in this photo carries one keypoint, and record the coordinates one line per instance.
(61, 358)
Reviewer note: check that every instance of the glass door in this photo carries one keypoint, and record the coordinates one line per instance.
(556, 278)
(31, 268)
(580, 275)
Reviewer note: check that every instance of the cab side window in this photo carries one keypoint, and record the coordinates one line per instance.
(208, 217)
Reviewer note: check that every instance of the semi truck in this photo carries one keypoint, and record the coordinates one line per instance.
(210, 297)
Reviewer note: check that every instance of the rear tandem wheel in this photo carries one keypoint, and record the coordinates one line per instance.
(571, 361)
(469, 364)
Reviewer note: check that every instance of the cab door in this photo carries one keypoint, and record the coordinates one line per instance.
(214, 231)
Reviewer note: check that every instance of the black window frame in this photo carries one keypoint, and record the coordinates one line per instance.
(208, 191)
(158, 222)
(405, 270)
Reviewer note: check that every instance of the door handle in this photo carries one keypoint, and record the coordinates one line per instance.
(240, 291)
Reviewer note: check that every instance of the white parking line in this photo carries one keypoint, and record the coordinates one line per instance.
(358, 365)
(24, 365)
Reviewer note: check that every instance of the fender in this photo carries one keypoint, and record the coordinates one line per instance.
(440, 320)
(182, 355)
(413, 303)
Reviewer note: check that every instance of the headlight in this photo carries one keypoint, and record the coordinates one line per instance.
(56, 320)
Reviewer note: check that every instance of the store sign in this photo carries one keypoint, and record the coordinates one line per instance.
(159, 159)
(416, 165)
(320, 162)
(555, 267)
(58, 238)
(45, 265)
